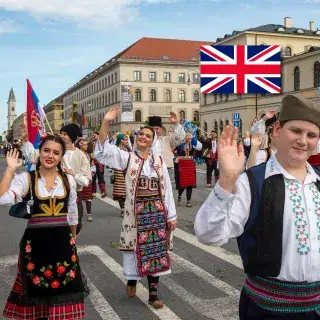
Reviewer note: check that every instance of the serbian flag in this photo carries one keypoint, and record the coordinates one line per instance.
(35, 116)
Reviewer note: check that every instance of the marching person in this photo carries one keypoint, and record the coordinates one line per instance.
(210, 153)
(273, 210)
(185, 167)
(150, 211)
(49, 283)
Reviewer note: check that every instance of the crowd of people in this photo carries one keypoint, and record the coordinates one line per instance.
(265, 194)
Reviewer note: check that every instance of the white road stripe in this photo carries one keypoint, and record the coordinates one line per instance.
(218, 252)
(142, 293)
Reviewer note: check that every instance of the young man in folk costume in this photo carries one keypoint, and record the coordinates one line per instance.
(76, 163)
(273, 210)
(99, 172)
(185, 167)
(149, 208)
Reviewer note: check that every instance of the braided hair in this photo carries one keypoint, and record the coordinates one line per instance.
(56, 139)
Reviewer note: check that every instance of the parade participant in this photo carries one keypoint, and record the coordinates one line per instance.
(31, 157)
(185, 168)
(86, 193)
(49, 282)
(273, 210)
(75, 163)
(163, 147)
(99, 172)
(119, 186)
(210, 153)
(247, 143)
(150, 211)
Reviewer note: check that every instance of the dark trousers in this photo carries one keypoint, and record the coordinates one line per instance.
(248, 310)
(189, 192)
(100, 175)
(80, 212)
(212, 166)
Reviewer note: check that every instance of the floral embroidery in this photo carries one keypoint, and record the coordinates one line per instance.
(316, 201)
(49, 276)
(300, 221)
(272, 165)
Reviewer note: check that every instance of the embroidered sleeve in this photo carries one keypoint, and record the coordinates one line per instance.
(224, 215)
(18, 189)
(169, 201)
(72, 204)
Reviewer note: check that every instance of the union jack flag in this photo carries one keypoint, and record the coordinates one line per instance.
(240, 69)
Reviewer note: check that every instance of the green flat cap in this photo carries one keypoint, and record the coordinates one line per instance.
(297, 107)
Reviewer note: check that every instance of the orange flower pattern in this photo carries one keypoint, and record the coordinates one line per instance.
(48, 276)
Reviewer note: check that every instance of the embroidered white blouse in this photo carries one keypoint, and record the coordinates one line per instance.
(19, 187)
(113, 157)
(224, 215)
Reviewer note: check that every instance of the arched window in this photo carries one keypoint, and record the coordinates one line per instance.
(196, 96)
(221, 126)
(182, 96)
(240, 129)
(112, 97)
(153, 95)
(227, 122)
(205, 126)
(115, 77)
(287, 52)
(296, 79)
(196, 116)
(100, 102)
(316, 74)
(167, 96)
(137, 95)
(137, 116)
(109, 99)
(182, 114)
(215, 127)
(115, 95)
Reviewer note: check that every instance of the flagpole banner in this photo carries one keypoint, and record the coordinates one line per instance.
(240, 69)
(127, 105)
(35, 124)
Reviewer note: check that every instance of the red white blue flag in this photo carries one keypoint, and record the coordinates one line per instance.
(240, 69)
(35, 115)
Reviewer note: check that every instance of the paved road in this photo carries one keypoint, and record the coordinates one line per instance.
(205, 283)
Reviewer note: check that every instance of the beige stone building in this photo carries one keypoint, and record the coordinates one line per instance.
(55, 115)
(163, 76)
(300, 73)
(17, 126)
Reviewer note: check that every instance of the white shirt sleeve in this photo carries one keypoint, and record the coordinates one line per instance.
(198, 146)
(169, 201)
(72, 203)
(111, 155)
(29, 152)
(261, 157)
(224, 215)
(214, 146)
(18, 189)
(84, 177)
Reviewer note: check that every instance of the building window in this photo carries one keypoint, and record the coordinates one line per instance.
(137, 116)
(112, 79)
(287, 52)
(182, 114)
(196, 116)
(182, 96)
(196, 96)
(227, 122)
(296, 79)
(167, 95)
(205, 127)
(196, 78)
(115, 95)
(167, 77)
(137, 95)
(109, 99)
(221, 126)
(182, 78)
(215, 127)
(152, 76)
(240, 129)
(316, 74)
(109, 81)
(115, 77)
(136, 75)
(112, 97)
(153, 95)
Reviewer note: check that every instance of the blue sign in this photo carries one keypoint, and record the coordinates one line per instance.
(236, 123)
(236, 117)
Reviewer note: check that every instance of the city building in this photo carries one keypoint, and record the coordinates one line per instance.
(160, 75)
(300, 74)
(54, 113)
(17, 126)
(11, 109)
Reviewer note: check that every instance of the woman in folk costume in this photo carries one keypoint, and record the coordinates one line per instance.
(185, 168)
(86, 193)
(150, 211)
(49, 284)
(119, 186)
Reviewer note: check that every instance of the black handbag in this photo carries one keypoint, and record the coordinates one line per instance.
(23, 209)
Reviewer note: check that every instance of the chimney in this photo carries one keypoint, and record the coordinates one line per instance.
(312, 26)
(288, 22)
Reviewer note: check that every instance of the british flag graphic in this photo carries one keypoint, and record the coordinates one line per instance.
(240, 69)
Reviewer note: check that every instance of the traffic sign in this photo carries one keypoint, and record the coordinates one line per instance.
(236, 123)
(236, 117)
